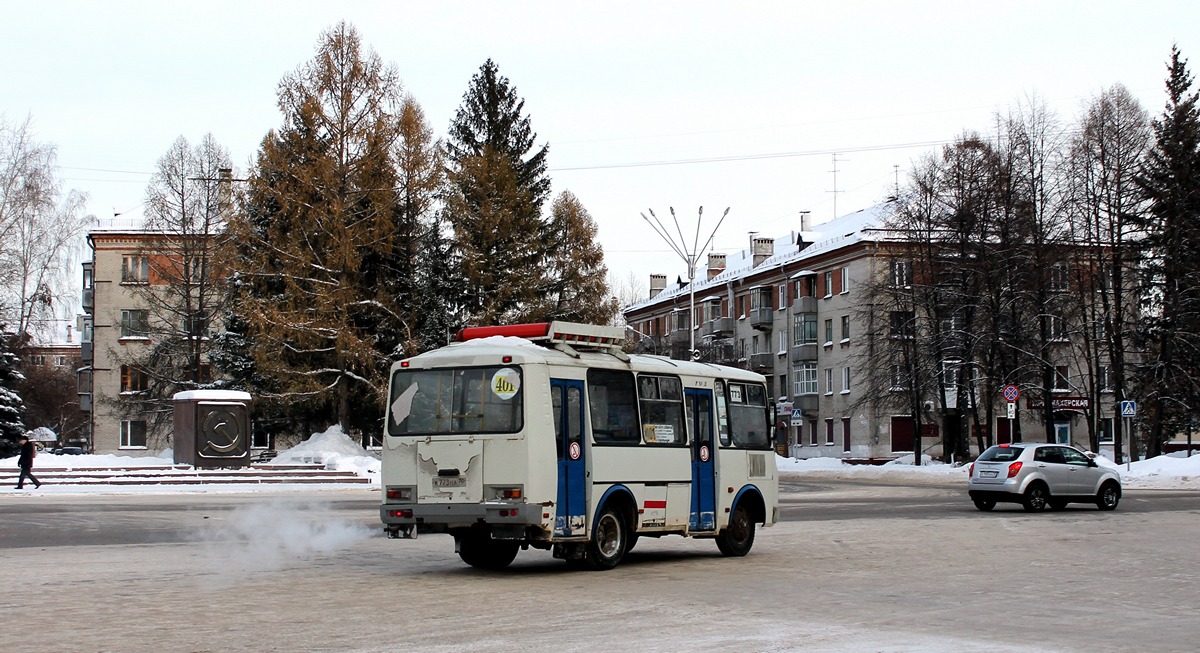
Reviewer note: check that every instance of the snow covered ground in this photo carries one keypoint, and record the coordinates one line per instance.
(335, 450)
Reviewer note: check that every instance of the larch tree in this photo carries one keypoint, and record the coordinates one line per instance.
(496, 187)
(576, 279)
(316, 244)
(175, 276)
(1170, 182)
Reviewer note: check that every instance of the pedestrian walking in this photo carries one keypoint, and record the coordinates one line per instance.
(25, 462)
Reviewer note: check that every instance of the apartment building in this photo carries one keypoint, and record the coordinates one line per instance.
(792, 309)
(118, 329)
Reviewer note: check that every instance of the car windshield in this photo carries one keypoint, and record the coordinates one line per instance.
(1001, 454)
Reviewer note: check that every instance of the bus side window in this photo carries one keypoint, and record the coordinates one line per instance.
(722, 415)
(661, 401)
(613, 403)
(748, 410)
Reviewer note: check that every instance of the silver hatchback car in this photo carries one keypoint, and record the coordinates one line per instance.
(1037, 475)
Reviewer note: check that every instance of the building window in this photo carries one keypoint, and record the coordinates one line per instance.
(828, 430)
(195, 326)
(1104, 378)
(900, 378)
(804, 379)
(845, 380)
(783, 296)
(903, 324)
(132, 379)
(828, 380)
(1062, 379)
(754, 341)
(846, 434)
(829, 331)
(812, 432)
(135, 269)
(845, 328)
(1060, 277)
(901, 274)
(1057, 326)
(135, 323)
(845, 280)
(133, 434)
(829, 284)
(782, 342)
(804, 329)
(1106, 430)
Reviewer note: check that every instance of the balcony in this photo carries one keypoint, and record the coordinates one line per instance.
(805, 352)
(762, 319)
(680, 336)
(85, 352)
(806, 403)
(804, 305)
(762, 361)
(720, 327)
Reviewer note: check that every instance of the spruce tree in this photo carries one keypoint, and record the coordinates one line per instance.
(1170, 181)
(12, 407)
(496, 187)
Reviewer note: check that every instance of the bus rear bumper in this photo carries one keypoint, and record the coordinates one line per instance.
(502, 518)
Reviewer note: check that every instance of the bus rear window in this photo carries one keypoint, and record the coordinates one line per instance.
(748, 415)
(453, 401)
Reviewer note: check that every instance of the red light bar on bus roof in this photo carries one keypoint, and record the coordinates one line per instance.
(570, 333)
(529, 331)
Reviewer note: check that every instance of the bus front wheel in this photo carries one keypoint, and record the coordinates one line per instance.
(610, 537)
(738, 536)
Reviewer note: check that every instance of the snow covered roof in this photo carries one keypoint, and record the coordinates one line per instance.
(840, 232)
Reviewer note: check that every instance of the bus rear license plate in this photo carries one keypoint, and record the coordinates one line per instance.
(449, 481)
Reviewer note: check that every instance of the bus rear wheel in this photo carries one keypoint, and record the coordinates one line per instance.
(483, 552)
(610, 540)
(738, 536)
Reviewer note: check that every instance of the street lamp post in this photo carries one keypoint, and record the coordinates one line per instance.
(690, 257)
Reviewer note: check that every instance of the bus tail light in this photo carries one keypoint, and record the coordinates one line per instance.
(404, 514)
(400, 493)
(506, 492)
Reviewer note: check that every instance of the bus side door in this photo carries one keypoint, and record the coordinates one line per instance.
(700, 417)
(571, 507)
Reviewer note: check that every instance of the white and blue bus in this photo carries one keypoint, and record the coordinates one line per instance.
(549, 436)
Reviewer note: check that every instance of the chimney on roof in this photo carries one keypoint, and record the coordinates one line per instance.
(658, 283)
(225, 191)
(716, 264)
(762, 249)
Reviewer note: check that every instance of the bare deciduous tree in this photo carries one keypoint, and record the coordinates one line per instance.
(41, 227)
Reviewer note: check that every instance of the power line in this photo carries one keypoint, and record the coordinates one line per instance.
(755, 157)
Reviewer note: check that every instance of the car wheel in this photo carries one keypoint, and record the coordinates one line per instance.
(738, 536)
(1056, 504)
(609, 540)
(984, 504)
(1109, 496)
(485, 553)
(1035, 497)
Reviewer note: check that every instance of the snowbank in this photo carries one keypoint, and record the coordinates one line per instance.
(1172, 471)
(335, 450)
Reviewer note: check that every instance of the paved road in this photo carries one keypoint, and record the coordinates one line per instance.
(855, 567)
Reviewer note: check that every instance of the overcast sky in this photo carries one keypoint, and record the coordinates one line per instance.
(645, 105)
